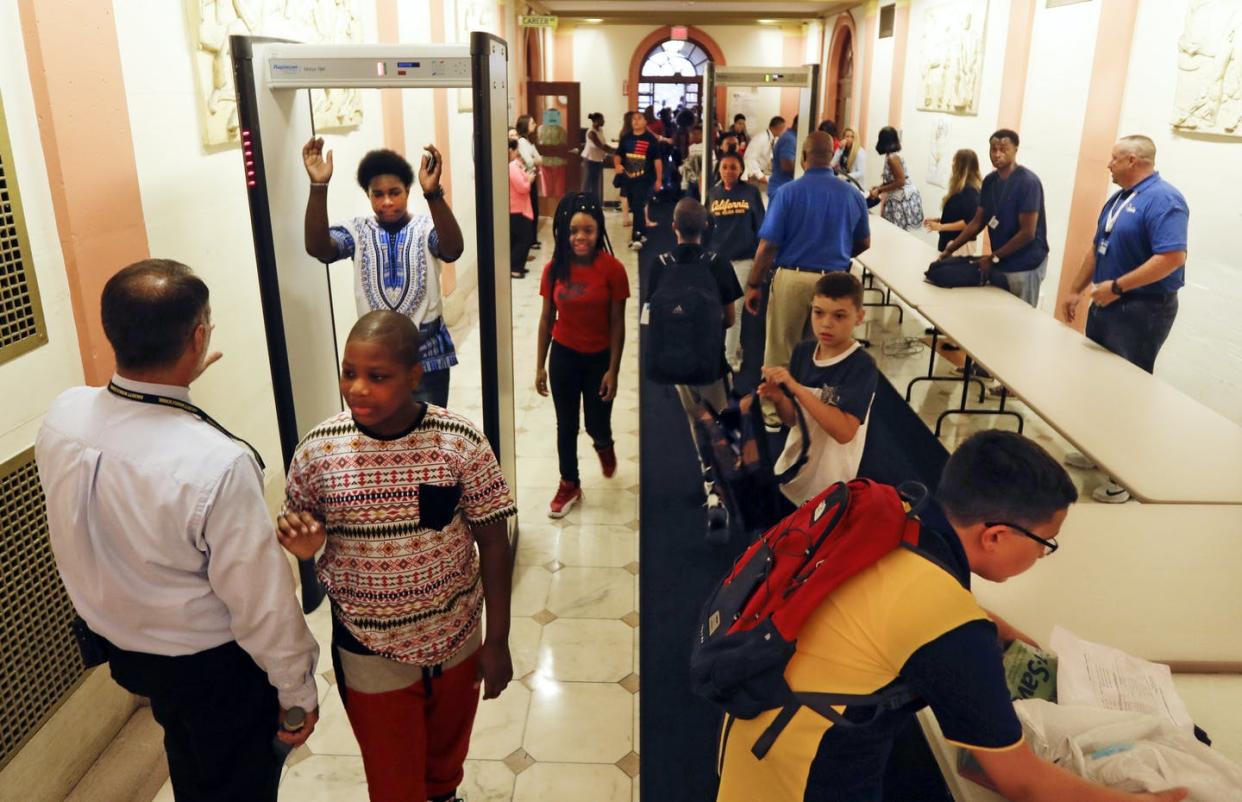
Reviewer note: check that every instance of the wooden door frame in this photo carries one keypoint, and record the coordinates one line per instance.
(573, 125)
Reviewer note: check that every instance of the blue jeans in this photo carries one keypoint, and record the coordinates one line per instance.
(1134, 327)
(434, 388)
(1024, 284)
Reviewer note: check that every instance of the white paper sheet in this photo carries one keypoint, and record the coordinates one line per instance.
(1100, 676)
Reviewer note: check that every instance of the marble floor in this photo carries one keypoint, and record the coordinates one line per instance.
(567, 727)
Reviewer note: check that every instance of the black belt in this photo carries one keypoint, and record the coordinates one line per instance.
(813, 269)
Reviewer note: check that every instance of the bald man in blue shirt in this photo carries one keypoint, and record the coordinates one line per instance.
(1134, 268)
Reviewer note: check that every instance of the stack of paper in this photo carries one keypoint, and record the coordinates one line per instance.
(1100, 676)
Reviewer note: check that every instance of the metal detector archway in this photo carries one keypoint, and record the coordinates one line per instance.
(296, 306)
(805, 78)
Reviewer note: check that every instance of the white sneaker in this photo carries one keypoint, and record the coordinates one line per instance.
(1111, 493)
(1076, 459)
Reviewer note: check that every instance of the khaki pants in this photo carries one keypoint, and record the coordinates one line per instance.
(789, 311)
(716, 394)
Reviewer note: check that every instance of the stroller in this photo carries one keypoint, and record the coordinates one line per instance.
(742, 487)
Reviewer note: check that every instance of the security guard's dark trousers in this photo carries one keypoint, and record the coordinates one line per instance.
(219, 715)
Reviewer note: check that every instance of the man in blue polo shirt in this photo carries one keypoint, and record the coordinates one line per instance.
(1011, 205)
(1136, 265)
(783, 154)
(813, 226)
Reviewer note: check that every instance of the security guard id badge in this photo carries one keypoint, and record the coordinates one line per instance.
(994, 222)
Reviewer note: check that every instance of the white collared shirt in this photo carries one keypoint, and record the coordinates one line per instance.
(162, 537)
(758, 158)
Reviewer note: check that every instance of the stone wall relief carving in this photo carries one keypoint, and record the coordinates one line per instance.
(212, 22)
(1208, 97)
(951, 56)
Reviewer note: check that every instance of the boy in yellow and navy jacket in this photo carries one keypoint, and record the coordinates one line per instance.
(911, 618)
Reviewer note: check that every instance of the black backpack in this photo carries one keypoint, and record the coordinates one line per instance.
(685, 332)
(961, 271)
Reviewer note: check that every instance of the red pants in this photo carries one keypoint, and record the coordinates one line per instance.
(414, 745)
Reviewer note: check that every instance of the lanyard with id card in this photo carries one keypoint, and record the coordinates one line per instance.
(1123, 201)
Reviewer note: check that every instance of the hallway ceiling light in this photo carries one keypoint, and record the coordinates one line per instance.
(593, 20)
(766, 21)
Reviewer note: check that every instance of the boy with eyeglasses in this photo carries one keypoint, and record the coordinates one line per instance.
(910, 618)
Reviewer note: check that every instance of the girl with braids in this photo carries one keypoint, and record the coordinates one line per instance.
(581, 334)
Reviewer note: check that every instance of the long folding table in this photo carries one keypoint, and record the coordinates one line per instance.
(1157, 442)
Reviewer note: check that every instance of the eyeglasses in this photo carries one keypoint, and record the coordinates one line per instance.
(1049, 544)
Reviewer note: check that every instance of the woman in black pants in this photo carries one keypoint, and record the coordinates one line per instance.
(581, 334)
(594, 151)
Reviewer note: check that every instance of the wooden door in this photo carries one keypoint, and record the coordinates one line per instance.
(558, 135)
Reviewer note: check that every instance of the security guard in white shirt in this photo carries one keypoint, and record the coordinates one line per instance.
(167, 550)
(758, 162)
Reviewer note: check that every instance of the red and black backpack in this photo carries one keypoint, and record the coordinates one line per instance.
(748, 629)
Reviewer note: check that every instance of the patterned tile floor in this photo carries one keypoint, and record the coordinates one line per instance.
(567, 728)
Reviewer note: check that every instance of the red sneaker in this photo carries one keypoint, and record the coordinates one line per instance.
(567, 495)
(607, 461)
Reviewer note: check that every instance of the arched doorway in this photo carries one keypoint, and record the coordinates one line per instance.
(672, 75)
(845, 81)
(839, 86)
(654, 41)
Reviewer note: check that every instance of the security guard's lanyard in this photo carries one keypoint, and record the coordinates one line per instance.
(1114, 211)
(184, 406)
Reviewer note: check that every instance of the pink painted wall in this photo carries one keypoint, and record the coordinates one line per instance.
(1017, 56)
(901, 35)
(390, 99)
(79, 97)
(1099, 131)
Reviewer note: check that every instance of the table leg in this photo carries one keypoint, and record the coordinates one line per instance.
(931, 372)
(962, 409)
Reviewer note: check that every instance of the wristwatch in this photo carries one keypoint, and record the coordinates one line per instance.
(434, 194)
(1116, 288)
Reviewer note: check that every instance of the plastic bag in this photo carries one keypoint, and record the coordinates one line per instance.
(1128, 751)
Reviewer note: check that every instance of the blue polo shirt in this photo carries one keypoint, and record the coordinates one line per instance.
(815, 221)
(1003, 200)
(1153, 219)
(786, 148)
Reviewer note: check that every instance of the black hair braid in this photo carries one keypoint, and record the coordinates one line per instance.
(571, 204)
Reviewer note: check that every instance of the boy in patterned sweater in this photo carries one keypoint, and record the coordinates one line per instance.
(398, 493)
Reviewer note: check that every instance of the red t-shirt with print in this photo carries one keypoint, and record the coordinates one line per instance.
(582, 302)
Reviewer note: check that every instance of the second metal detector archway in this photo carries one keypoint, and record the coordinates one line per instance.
(805, 78)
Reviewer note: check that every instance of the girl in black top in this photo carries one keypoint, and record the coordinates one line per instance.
(638, 165)
(961, 201)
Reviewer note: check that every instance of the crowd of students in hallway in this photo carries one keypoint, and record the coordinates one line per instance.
(191, 600)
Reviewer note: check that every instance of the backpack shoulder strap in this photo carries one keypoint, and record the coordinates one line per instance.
(804, 450)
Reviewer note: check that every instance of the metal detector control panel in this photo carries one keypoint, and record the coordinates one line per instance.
(299, 66)
(752, 76)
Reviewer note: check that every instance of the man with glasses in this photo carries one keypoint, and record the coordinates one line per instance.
(910, 620)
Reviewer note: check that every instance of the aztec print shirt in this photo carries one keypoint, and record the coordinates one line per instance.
(399, 271)
(400, 562)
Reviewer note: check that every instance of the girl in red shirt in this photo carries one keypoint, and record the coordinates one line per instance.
(581, 334)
